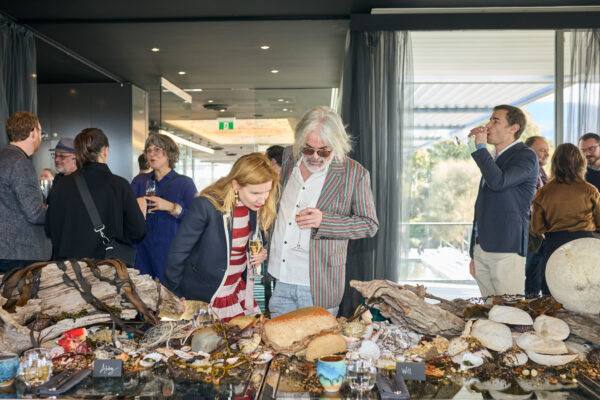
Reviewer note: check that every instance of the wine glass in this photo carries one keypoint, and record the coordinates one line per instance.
(298, 246)
(36, 366)
(256, 244)
(150, 190)
(361, 374)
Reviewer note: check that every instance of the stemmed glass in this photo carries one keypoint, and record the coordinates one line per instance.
(298, 246)
(256, 242)
(150, 190)
(36, 366)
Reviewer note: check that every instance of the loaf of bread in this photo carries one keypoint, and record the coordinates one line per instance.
(289, 332)
(325, 344)
(242, 321)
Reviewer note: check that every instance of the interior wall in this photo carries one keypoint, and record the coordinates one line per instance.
(65, 109)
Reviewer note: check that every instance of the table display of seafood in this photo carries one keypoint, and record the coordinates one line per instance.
(503, 346)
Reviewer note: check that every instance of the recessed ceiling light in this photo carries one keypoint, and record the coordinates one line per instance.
(222, 110)
(265, 47)
(155, 49)
(274, 71)
(279, 99)
(291, 110)
(211, 101)
(181, 72)
(285, 109)
(287, 102)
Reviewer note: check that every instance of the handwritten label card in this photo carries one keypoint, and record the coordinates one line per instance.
(411, 371)
(108, 368)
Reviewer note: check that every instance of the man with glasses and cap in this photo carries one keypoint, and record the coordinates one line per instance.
(326, 201)
(64, 157)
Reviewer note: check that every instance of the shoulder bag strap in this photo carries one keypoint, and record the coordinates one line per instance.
(168, 184)
(91, 208)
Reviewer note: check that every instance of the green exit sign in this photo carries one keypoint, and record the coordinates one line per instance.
(225, 125)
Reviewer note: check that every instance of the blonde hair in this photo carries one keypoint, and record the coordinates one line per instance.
(251, 169)
(331, 128)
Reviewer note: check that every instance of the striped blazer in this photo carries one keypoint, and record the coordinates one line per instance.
(348, 209)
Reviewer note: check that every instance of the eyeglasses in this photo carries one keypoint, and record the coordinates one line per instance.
(63, 156)
(152, 150)
(590, 149)
(309, 151)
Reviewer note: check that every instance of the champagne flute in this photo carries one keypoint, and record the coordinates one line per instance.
(256, 244)
(150, 190)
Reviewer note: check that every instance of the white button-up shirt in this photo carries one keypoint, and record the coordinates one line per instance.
(285, 263)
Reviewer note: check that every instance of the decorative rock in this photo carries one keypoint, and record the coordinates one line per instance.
(509, 315)
(457, 345)
(551, 327)
(574, 280)
(493, 335)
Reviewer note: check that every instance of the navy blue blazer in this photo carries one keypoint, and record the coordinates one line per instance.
(503, 203)
(200, 251)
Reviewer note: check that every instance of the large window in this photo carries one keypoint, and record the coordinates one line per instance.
(459, 77)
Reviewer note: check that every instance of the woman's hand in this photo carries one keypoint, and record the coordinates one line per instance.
(156, 203)
(257, 259)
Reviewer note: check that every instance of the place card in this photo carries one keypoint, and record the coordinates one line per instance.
(411, 371)
(108, 368)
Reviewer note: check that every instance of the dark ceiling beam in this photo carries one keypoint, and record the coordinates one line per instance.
(50, 21)
(439, 22)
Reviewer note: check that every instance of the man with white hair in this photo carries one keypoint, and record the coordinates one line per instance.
(326, 201)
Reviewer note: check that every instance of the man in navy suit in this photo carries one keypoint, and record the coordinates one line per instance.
(501, 223)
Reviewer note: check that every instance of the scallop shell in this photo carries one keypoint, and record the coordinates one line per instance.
(551, 327)
(467, 360)
(509, 315)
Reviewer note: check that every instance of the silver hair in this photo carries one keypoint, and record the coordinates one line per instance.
(330, 127)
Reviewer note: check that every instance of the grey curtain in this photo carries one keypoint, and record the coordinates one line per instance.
(376, 104)
(18, 88)
(584, 82)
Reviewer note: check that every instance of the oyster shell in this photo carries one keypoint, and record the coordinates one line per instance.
(515, 359)
(456, 346)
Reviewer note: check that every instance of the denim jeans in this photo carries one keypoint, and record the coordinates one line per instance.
(287, 297)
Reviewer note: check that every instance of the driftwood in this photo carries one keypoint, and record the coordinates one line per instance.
(408, 309)
(54, 297)
(406, 306)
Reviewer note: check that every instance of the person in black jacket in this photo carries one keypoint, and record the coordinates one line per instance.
(68, 224)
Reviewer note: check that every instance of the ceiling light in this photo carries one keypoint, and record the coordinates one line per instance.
(181, 72)
(274, 71)
(222, 110)
(285, 109)
(211, 101)
(175, 90)
(279, 99)
(291, 110)
(265, 47)
(192, 90)
(155, 49)
(287, 102)
(187, 143)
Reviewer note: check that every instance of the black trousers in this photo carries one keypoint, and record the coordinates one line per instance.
(552, 242)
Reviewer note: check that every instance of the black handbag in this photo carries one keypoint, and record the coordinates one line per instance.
(112, 248)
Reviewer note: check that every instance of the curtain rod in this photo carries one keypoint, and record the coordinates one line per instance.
(485, 10)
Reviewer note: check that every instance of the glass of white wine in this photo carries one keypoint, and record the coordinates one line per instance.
(150, 190)
(256, 245)
(36, 367)
(360, 374)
